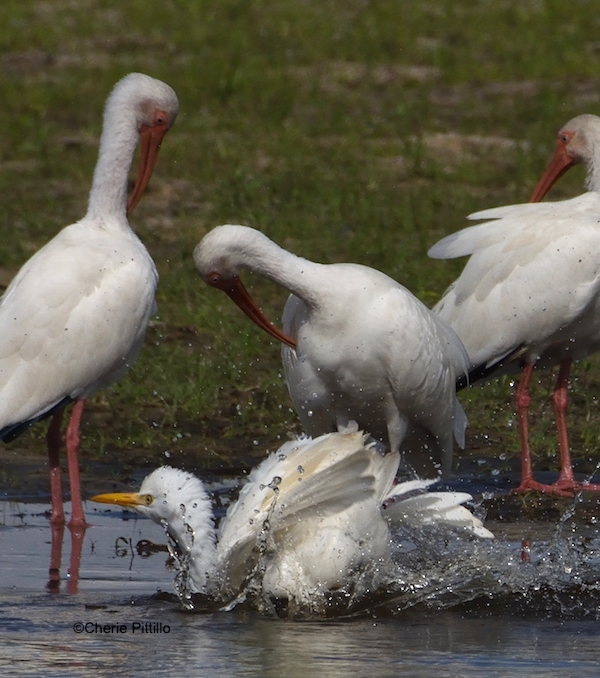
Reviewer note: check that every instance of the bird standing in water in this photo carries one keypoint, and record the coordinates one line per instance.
(73, 319)
(529, 296)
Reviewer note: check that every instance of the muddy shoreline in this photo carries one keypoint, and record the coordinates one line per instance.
(479, 471)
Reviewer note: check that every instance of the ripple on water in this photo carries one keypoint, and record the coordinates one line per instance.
(449, 605)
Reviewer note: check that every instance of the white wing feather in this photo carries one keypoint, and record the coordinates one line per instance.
(56, 293)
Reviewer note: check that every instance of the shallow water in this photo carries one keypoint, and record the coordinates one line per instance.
(484, 611)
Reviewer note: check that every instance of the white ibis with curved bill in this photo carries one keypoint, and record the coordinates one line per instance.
(529, 296)
(362, 347)
(73, 319)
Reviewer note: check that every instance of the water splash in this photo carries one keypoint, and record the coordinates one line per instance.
(554, 575)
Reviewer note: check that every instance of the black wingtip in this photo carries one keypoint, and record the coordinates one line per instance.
(12, 431)
(485, 371)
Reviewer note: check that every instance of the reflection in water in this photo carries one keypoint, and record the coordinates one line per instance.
(468, 609)
(431, 569)
(77, 535)
(416, 644)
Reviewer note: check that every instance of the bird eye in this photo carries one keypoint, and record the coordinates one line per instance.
(214, 278)
(565, 138)
(148, 499)
(160, 117)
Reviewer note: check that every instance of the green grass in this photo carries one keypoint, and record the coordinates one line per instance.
(315, 122)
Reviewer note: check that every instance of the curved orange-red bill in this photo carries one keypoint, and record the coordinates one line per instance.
(151, 138)
(559, 164)
(240, 295)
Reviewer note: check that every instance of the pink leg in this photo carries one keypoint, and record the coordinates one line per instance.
(523, 401)
(72, 440)
(77, 535)
(53, 441)
(559, 399)
(566, 480)
(55, 556)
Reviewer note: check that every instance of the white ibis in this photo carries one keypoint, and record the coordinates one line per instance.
(529, 296)
(310, 517)
(363, 348)
(73, 319)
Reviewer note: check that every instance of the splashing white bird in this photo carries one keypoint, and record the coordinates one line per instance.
(310, 516)
(361, 346)
(529, 296)
(74, 318)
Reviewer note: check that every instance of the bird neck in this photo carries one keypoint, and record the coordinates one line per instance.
(587, 151)
(294, 273)
(193, 530)
(592, 182)
(108, 196)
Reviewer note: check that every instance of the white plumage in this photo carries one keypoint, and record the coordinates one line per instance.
(531, 282)
(309, 518)
(359, 346)
(73, 319)
(530, 293)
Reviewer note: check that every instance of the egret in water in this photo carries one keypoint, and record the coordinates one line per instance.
(309, 518)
